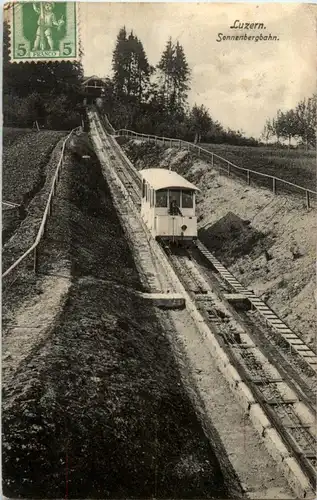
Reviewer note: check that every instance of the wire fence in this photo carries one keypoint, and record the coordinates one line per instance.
(33, 249)
(9, 204)
(275, 184)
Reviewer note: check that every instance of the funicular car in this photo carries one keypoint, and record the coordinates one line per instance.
(168, 205)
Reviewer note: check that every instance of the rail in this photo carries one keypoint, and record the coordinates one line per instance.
(292, 429)
(229, 167)
(47, 212)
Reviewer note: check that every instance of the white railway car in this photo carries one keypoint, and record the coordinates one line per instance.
(168, 205)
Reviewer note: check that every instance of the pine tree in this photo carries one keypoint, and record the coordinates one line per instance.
(120, 63)
(131, 67)
(166, 68)
(144, 71)
(180, 76)
(174, 76)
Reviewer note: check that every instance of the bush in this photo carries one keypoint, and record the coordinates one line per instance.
(19, 112)
(51, 112)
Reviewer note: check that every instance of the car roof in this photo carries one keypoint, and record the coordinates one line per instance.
(162, 178)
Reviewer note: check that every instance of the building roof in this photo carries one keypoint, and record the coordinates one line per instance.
(161, 178)
(93, 77)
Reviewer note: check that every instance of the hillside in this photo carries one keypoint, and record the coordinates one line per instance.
(93, 404)
(25, 154)
(279, 225)
(295, 165)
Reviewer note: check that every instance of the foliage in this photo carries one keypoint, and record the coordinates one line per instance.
(298, 124)
(153, 100)
(131, 69)
(47, 92)
(173, 76)
(200, 122)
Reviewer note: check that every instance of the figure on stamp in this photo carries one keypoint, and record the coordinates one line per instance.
(46, 22)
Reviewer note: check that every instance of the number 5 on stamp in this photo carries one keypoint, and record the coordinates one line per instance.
(44, 31)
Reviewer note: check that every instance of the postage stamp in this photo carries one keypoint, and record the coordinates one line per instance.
(44, 31)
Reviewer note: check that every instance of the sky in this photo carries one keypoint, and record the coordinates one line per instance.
(242, 83)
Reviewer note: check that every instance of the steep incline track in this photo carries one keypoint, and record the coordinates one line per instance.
(279, 401)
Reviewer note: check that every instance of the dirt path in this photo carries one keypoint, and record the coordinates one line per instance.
(30, 326)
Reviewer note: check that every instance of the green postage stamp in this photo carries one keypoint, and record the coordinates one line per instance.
(44, 31)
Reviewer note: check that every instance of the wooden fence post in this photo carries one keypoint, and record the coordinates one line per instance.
(228, 168)
(248, 177)
(35, 259)
(198, 151)
(170, 143)
(307, 199)
(274, 185)
(212, 160)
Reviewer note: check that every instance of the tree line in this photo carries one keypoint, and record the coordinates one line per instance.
(153, 99)
(299, 124)
(146, 98)
(49, 93)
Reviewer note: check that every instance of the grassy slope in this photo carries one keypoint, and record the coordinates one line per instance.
(25, 153)
(295, 166)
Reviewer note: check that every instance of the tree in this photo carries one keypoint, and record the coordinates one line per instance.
(200, 122)
(144, 71)
(165, 66)
(120, 63)
(39, 83)
(174, 76)
(268, 131)
(130, 66)
(306, 116)
(287, 125)
(180, 76)
(300, 122)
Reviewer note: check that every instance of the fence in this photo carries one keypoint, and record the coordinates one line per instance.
(47, 212)
(9, 204)
(265, 180)
(106, 123)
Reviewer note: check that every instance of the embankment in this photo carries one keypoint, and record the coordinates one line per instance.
(97, 408)
(267, 241)
(27, 164)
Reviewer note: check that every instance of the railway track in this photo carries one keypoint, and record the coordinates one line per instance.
(295, 368)
(123, 186)
(130, 178)
(280, 399)
(273, 322)
(283, 395)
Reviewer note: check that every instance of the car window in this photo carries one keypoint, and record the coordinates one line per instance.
(161, 198)
(187, 198)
